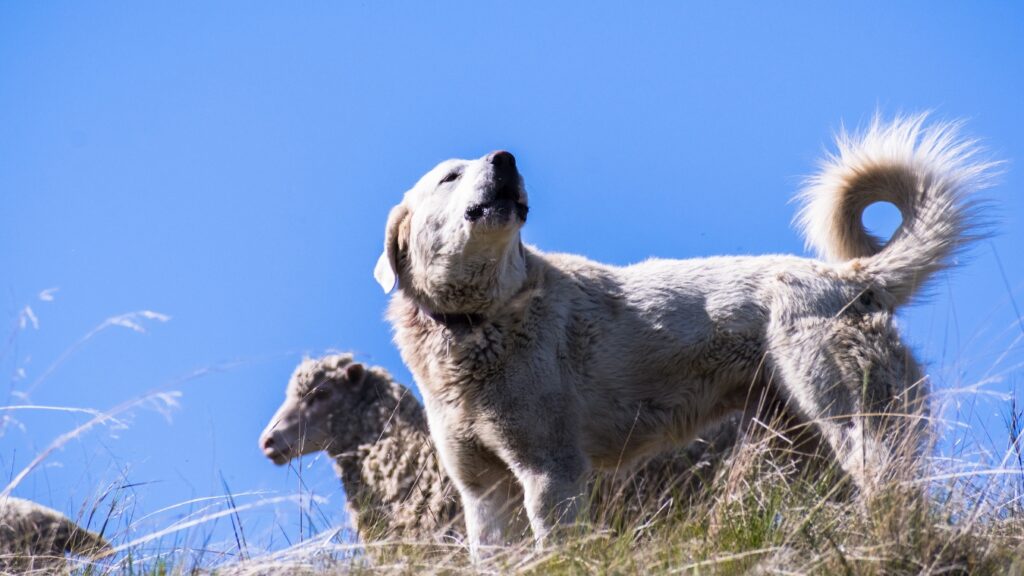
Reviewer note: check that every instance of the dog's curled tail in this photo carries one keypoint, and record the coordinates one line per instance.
(928, 172)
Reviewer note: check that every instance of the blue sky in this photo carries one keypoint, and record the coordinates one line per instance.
(232, 166)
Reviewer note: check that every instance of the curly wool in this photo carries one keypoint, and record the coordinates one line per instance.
(383, 454)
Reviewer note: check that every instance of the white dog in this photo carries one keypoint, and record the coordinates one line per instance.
(536, 367)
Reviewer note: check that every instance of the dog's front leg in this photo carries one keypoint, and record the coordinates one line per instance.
(491, 514)
(491, 498)
(553, 495)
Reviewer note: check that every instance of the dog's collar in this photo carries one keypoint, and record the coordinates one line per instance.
(453, 319)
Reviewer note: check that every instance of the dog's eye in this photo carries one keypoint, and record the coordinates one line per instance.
(450, 177)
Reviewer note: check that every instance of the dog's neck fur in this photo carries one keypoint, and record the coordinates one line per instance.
(465, 289)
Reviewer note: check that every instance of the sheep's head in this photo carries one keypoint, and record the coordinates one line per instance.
(321, 411)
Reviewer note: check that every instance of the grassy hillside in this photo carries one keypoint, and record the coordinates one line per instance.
(761, 513)
(764, 511)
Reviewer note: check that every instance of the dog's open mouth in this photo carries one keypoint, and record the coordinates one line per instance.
(500, 208)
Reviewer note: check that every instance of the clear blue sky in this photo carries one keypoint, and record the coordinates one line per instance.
(232, 166)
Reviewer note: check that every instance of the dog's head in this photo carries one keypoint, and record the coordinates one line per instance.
(453, 242)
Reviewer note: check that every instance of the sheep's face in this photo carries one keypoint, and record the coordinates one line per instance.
(319, 393)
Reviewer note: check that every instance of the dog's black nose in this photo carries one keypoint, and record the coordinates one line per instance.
(502, 159)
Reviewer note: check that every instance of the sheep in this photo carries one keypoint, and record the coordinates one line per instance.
(376, 432)
(34, 537)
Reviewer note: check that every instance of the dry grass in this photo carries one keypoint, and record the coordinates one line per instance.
(765, 511)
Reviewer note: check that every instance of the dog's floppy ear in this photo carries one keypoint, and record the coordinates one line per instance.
(396, 240)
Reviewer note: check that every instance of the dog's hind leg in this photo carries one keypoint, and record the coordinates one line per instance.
(854, 379)
(797, 443)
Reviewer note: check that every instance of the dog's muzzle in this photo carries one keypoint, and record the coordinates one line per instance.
(504, 199)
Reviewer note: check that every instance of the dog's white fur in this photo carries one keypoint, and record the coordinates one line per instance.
(538, 366)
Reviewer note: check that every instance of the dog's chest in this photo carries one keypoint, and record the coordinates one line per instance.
(463, 362)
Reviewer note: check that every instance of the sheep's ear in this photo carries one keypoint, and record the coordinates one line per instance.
(396, 239)
(355, 372)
